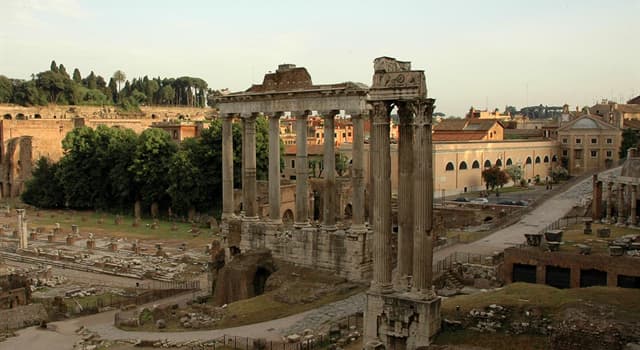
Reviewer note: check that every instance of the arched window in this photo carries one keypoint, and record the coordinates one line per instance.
(499, 162)
(528, 160)
(538, 160)
(554, 158)
(546, 159)
(463, 165)
(487, 163)
(475, 165)
(449, 167)
(509, 162)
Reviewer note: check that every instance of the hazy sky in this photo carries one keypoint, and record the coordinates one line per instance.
(473, 52)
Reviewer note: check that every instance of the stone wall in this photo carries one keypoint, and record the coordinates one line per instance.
(23, 316)
(341, 252)
(237, 279)
(612, 265)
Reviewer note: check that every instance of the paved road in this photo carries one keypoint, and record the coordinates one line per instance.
(63, 336)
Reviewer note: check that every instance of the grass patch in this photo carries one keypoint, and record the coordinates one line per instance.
(265, 307)
(494, 341)
(624, 302)
(104, 224)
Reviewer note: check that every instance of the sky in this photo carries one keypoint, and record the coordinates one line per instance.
(486, 54)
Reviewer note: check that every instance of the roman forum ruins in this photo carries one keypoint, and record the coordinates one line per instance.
(402, 310)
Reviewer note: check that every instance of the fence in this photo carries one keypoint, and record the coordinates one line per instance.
(563, 222)
(321, 341)
(160, 285)
(447, 263)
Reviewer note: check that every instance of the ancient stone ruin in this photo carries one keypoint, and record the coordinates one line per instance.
(402, 310)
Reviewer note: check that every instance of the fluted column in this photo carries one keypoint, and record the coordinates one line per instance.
(329, 160)
(227, 167)
(620, 204)
(596, 203)
(609, 199)
(381, 157)
(633, 219)
(249, 152)
(405, 197)
(357, 173)
(274, 168)
(423, 198)
(302, 171)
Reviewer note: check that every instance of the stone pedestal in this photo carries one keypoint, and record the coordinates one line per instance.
(75, 229)
(91, 244)
(71, 239)
(113, 247)
(33, 236)
(50, 237)
(401, 320)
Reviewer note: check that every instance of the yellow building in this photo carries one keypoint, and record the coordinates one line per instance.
(589, 144)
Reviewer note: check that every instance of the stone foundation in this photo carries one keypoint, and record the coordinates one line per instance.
(343, 252)
(400, 320)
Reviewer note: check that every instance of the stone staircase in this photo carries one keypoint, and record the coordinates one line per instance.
(452, 281)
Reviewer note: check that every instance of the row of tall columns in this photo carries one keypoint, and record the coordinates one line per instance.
(249, 188)
(357, 174)
(329, 160)
(423, 200)
(302, 172)
(621, 217)
(415, 197)
(381, 169)
(405, 198)
(274, 168)
(624, 215)
(227, 167)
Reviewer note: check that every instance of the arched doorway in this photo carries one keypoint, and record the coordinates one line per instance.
(287, 217)
(260, 279)
(348, 211)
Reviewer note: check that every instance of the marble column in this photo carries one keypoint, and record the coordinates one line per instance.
(633, 219)
(423, 198)
(381, 157)
(274, 168)
(302, 171)
(620, 204)
(329, 159)
(249, 151)
(609, 201)
(357, 173)
(405, 197)
(22, 229)
(227, 167)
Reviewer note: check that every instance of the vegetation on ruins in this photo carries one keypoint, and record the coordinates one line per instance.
(111, 168)
(58, 87)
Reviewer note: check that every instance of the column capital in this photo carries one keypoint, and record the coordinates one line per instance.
(228, 116)
(272, 115)
(405, 112)
(380, 112)
(423, 110)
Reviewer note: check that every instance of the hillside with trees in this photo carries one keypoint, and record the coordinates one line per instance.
(58, 86)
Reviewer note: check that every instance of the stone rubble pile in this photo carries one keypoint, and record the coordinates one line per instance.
(496, 318)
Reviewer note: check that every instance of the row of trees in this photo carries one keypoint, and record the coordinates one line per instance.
(113, 168)
(495, 177)
(57, 86)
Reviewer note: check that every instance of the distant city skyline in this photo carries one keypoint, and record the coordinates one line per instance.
(485, 54)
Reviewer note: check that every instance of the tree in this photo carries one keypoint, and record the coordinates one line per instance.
(150, 166)
(91, 82)
(119, 77)
(43, 189)
(166, 95)
(53, 67)
(559, 173)
(52, 83)
(6, 89)
(514, 172)
(629, 140)
(77, 77)
(494, 177)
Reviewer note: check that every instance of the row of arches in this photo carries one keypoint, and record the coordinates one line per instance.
(487, 163)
